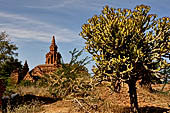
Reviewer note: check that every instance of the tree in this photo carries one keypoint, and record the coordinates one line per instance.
(128, 46)
(70, 79)
(7, 53)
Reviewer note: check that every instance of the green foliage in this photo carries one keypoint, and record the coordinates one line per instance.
(9, 86)
(125, 43)
(7, 53)
(71, 78)
(128, 45)
(26, 83)
(41, 82)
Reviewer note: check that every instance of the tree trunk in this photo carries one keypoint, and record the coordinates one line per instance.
(133, 96)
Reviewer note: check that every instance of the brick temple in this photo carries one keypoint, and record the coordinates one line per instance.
(53, 57)
(52, 62)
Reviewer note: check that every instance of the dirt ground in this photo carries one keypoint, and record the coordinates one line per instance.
(146, 100)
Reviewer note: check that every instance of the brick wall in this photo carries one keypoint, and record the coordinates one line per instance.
(2, 89)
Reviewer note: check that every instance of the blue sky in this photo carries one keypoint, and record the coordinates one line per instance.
(31, 24)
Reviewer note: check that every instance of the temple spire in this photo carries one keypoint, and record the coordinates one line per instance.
(53, 46)
(53, 57)
(53, 41)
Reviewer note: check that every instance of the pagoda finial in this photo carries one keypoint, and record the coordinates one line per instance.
(53, 41)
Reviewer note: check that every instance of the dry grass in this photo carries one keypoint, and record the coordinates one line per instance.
(32, 90)
(33, 107)
(102, 100)
(106, 101)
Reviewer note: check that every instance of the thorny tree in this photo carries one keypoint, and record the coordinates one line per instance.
(128, 46)
(70, 79)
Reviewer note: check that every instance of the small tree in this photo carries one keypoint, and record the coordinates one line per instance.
(7, 53)
(128, 46)
(70, 79)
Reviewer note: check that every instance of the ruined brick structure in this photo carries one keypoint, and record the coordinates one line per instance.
(53, 61)
(15, 76)
(18, 74)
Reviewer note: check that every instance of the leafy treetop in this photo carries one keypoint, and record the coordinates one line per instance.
(126, 43)
(7, 53)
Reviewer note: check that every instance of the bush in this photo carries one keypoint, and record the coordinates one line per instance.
(26, 83)
(71, 79)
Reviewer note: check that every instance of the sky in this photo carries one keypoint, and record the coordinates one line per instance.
(31, 24)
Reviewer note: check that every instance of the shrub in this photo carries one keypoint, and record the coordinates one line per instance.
(26, 83)
(71, 79)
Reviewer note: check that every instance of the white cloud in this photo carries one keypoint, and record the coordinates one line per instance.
(12, 16)
(19, 27)
(51, 4)
(17, 34)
